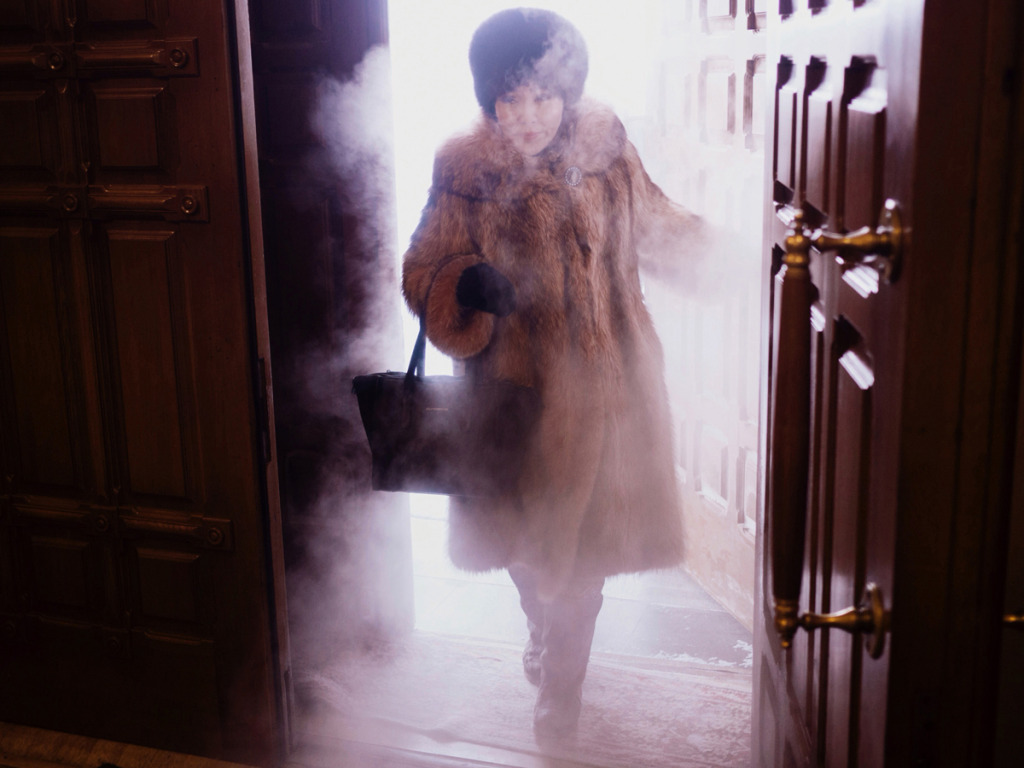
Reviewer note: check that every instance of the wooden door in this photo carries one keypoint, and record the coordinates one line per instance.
(136, 538)
(907, 380)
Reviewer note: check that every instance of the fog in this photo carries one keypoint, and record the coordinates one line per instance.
(349, 576)
(351, 602)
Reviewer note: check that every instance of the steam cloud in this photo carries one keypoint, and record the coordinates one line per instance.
(350, 583)
(354, 588)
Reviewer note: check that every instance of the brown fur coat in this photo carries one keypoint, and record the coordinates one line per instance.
(598, 495)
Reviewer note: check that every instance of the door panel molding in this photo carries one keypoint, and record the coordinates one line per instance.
(133, 505)
(914, 417)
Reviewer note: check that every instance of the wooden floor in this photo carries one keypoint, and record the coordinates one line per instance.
(24, 747)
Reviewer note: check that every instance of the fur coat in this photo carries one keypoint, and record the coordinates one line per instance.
(569, 229)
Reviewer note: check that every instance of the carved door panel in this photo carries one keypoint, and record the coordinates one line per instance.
(849, 345)
(832, 104)
(830, 162)
(856, 494)
(134, 576)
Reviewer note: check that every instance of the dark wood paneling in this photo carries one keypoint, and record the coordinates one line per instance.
(852, 414)
(817, 139)
(172, 589)
(298, 20)
(39, 432)
(126, 128)
(62, 576)
(806, 672)
(120, 18)
(837, 109)
(864, 106)
(786, 133)
(861, 129)
(131, 512)
(154, 348)
(30, 149)
(22, 20)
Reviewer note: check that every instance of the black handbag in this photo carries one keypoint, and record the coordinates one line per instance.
(454, 435)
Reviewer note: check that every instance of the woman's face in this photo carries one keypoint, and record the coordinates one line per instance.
(529, 116)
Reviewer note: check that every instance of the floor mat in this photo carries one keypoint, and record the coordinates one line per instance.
(647, 712)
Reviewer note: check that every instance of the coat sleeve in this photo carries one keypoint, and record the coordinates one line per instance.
(673, 243)
(440, 250)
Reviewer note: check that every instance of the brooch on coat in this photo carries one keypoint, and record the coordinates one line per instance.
(573, 176)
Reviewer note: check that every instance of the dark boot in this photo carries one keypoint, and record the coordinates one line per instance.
(532, 653)
(534, 610)
(568, 633)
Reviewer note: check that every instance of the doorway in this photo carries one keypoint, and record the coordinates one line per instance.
(688, 81)
(671, 665)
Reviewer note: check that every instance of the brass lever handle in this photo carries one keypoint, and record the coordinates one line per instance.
(1013, 621)
(881, 248)
(870, 618)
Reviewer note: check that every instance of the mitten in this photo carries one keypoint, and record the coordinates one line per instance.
(483, 287)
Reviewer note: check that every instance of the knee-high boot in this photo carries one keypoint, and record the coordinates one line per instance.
(534, 610)
(568, 632)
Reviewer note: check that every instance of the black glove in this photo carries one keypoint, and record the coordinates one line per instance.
(485, 288)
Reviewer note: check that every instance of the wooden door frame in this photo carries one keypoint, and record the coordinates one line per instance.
(961, 379)
(243, 97)
(322, 262)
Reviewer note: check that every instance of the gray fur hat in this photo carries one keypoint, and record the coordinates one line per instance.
(527, 44)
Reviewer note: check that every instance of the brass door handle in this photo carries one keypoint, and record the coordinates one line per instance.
(870, 619)
(882, 249)
(1013, 621)
(879, 247)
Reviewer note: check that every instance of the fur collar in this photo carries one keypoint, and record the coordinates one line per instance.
(483, 164)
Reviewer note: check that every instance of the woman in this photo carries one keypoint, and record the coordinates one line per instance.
(525, 265)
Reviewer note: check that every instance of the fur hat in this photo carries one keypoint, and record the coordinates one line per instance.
(527, 44)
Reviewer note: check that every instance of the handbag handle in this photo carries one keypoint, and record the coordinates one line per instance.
(417, 366)
(419, 354)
